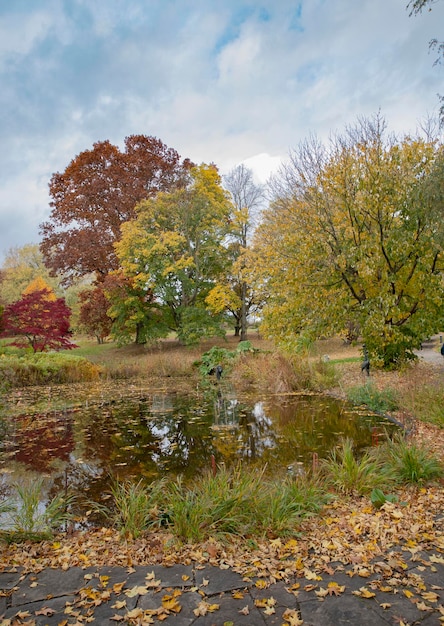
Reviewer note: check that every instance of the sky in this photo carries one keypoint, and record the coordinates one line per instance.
(221, 81)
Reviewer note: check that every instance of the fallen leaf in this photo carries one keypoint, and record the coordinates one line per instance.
(363, 592)
(45, 610)
(292, 617)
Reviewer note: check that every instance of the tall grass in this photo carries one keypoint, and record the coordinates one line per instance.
(349, 473)
(277, 373)
(26, 516)
(134, 507)
(232, 503)
(409, 462)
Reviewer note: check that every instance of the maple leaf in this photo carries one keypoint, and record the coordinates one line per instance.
(363, 592)
(45, 610)
(245, 610)
(136, 591)
(292, 618)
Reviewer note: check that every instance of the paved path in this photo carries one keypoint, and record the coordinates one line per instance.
(430, 352)
(403, 589)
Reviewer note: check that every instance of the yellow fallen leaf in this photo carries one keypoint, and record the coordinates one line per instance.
(430, 596)
(385, 605)
(261, 584)
(134, 614)
(363, 592)
(270, 610)
(292, 617)
(238, 595)
(309, 575)
(407, 593)
(136, 591)
(171, 604)
(422, 606)
(120, 604)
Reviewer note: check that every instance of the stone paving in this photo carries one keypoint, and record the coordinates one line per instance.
(209, 596)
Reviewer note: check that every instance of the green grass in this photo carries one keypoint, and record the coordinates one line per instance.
(408, 462)
(134, 507)
(349, 473)
(25, 516)
(383, 401)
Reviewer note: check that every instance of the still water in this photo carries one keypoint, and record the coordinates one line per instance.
(141, 433)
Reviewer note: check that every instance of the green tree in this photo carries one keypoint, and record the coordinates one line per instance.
(173, 252)
(353, 235)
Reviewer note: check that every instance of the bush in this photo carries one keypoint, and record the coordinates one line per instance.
(46, 368)
(379, 401)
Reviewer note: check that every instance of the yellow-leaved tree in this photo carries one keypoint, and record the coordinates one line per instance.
(354, 236)
(173, 254)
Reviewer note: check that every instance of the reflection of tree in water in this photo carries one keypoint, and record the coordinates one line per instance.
(167, 434)
(38, 441)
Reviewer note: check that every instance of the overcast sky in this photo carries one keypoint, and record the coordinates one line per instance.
(223, 81)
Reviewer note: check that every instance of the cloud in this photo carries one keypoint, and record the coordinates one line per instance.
(220, 82)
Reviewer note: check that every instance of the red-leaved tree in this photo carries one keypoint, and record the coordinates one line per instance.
(39, 321)
(94, 316)
(96, 193)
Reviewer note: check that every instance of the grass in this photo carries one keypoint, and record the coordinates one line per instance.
(349, 473)
(410, 463)
(27, 518)
(380, 401)
(134, 507)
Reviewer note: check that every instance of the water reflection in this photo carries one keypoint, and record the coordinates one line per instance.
(158, 434)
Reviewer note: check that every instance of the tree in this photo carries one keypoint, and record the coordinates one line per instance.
(173, 253)
(93, 317)
(96, 193)
(353, 235)
(416, 6)
(20, 267)
(235, 294)
(39, 321)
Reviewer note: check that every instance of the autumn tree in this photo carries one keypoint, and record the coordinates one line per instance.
(234, 293)
(21, 266)
(173, 253)
(96, 193)
(93, 317)
(355, 235)
(38, 320)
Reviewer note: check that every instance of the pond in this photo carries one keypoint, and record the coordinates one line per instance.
(134, 432)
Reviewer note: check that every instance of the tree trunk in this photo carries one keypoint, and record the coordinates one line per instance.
(243, 320)
(140, 339)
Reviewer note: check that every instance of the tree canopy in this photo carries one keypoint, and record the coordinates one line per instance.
(173, 253)
(354, 235)
(233, 293)
(96, 193)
